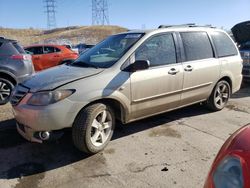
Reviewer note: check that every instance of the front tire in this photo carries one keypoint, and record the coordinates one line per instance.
(6, 88)
(93, 128)
(219, 96)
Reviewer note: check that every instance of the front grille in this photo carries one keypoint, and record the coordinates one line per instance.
(18, 94)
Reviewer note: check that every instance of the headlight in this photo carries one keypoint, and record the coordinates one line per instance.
(229, 174)
(49, 97)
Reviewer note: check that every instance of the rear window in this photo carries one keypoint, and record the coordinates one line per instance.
(18, 48)
(197, 46)
(223, 44)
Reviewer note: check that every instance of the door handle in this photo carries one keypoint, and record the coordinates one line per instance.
(173, 71)
(188, 68)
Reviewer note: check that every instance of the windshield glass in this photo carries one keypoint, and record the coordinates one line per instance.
(108, 52)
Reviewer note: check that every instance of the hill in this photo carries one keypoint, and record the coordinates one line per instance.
(72, 35)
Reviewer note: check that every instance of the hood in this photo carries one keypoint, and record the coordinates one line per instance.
(58, 76)
(241, 32)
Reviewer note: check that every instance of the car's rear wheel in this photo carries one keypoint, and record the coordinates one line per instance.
(93, 128)
(219, 96)
(6, 88)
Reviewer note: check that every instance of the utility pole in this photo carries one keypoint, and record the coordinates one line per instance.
(51, 13)
(100, 15)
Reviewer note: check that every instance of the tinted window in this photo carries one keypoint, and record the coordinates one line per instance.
(1, 44)
(35, 50)
(18, 48)
(57, 50)
(223, 44)
(48, 49)
(159, 50)
(197, 46)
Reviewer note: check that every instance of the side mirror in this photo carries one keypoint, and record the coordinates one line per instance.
(138, 65)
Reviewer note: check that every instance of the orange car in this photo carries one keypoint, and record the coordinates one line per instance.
(46, 56)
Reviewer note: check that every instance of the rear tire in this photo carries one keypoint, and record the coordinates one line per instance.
(93, 128)
(6, 88)
(219, 96)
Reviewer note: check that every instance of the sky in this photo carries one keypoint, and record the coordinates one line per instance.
(132, 14)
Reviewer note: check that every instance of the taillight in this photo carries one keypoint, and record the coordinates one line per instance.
(20, 57)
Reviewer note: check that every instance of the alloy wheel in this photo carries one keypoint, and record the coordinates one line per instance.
(101, 128)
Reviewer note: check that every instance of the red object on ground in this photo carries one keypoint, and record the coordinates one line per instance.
(231, 167)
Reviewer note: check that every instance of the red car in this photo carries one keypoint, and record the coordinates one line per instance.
(231, 167)
(46, 56)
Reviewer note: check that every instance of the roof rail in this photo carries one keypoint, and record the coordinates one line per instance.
(185, 25)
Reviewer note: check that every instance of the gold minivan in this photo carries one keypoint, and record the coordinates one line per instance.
(127, 77)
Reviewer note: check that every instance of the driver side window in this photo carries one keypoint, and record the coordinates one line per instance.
(159, 50)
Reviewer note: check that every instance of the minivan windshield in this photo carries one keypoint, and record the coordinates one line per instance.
(108, 52)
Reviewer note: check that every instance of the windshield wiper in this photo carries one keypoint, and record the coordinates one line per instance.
(83, 64)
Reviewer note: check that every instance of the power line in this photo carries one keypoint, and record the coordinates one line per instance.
(100, 15)
(50, 6)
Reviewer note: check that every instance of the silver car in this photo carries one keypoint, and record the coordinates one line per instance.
(127, 77)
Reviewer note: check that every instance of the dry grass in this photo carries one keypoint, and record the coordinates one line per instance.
(74, 35)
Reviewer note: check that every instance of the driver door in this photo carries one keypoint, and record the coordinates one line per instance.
(158, 88)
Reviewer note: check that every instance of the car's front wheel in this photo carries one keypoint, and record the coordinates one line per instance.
(219, 96)
(93, 128)
(6, 88)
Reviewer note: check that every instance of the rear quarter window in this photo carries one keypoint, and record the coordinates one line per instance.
(197, 46)
(1, 44)
(19, 48)
(223, 44)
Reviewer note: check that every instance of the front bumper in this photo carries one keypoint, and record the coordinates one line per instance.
(33, 119)
(27, 133)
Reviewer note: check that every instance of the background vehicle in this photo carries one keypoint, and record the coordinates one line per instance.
(129, 76)
(231, 167)
(241, 34)
(15, 67)
(46, 56)
(83, 47)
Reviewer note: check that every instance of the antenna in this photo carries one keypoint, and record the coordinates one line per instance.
(51, 13)
(100, 15)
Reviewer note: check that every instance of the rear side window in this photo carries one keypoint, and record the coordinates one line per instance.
(57, 50)
(1, 44)
(223, 44)
(18, 48)
(49, 49)
(35, 50)
(197, 46)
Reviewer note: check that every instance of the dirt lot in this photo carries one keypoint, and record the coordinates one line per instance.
(174, 149)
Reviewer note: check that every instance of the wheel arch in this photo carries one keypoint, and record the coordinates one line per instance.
(9, 77)
(119, 109)
(229, 80)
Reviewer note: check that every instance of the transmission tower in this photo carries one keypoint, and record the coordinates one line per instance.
(51, 13)
(100, 15)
